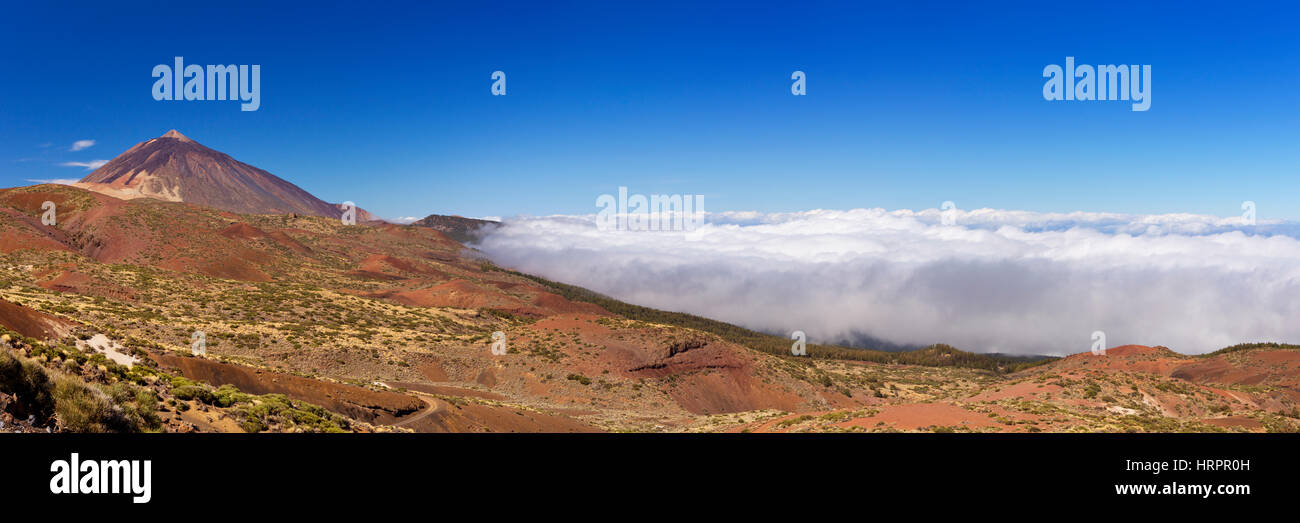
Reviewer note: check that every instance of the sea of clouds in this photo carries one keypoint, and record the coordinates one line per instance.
(995, 281)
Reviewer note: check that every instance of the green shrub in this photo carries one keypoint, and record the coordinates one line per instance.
(195, 392)
(30, 384)
(261, 412)
(83, 408)
(228, 395)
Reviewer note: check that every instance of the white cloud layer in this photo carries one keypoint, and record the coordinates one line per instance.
(59, 181)
(998, 281)
(91, 165)
(81, 144)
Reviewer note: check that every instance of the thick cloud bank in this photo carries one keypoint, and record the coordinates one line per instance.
(995, 281)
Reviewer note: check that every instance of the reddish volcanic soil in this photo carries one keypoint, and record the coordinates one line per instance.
(711, 376)
(356, 402)
(733, 390)
(1235, 421)
(1127, 358)
(1018, 390)
(385, 263)
(441, 390)
(474, 417)
(12, 240)
(1278, 367)
(434, 372)
(557, 304)
(294, 245)
(78, 283)
(33, 323)
(456, 293)
(920, 415)
(243, 231)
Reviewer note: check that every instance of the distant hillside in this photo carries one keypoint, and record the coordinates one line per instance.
(859, 340)
(937, 355)
(1252, 346)
(457, 228)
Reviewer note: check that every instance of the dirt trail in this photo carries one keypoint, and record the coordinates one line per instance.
(434, 406)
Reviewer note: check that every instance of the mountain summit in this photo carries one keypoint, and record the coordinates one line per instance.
(177, 135)
(175, 168)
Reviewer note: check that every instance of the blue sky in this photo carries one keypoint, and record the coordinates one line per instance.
(909, 104)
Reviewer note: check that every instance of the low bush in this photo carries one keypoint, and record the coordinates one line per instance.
(30, 384)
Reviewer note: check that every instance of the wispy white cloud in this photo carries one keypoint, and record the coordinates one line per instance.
(60, 181)
(1006, 281)
(81, 144)
(404, 220)
(91, 165)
